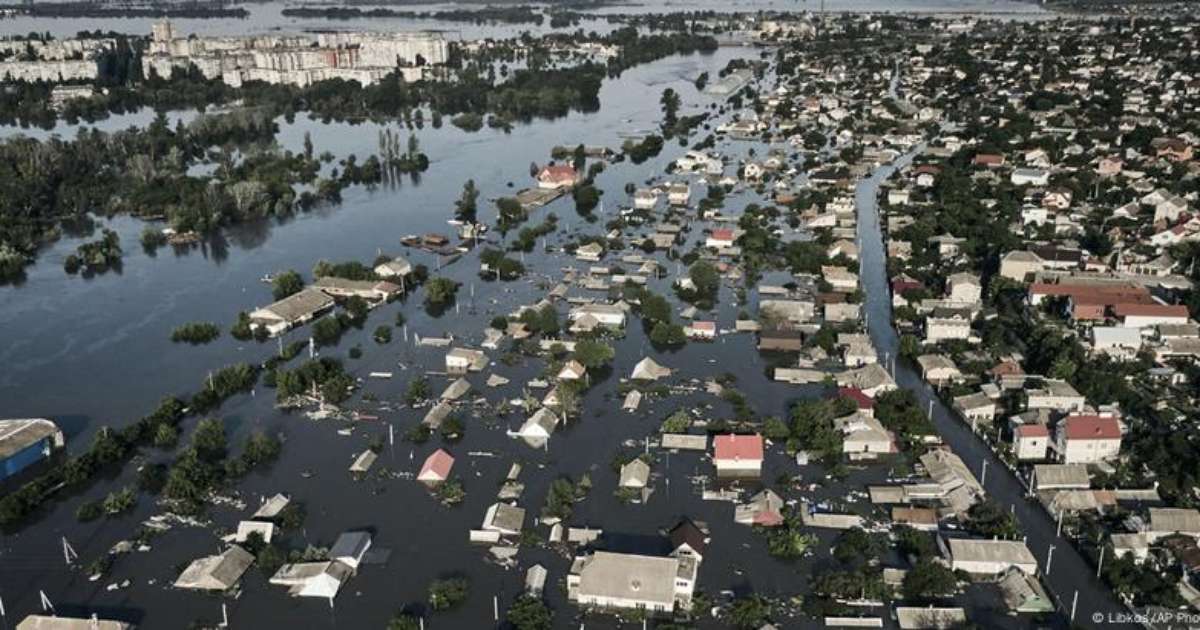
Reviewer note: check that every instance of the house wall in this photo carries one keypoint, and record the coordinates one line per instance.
(1032, 447)
(24, 458)
(1090, 451)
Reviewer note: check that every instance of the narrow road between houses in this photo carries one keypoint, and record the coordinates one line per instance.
(1070, 576)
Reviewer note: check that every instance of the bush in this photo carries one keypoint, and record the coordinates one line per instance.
(529, 613)
(196, 333)
(440, 291)
(448, 593)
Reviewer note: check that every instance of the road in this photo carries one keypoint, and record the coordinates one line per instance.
(1069, 574)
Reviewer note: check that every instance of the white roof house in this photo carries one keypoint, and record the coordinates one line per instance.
(216, 573)
(313, 579)
(990, 557)
(618, 580)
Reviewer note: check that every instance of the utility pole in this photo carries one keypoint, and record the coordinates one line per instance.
(1049, 559)
(1100, 564)
(983, 475)
(1074, 602)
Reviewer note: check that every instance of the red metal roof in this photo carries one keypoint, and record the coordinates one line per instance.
(722, 234)
(858, 396)
(738, 447)
(1089, 427)
(557, 173)
(438, 464)
(1152, 310)
(1032, 431)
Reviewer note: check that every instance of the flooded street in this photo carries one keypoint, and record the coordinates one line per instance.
(96, 351)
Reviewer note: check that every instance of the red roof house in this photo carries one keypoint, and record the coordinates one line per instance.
(738, 453)
(436, 468)
(557, 176)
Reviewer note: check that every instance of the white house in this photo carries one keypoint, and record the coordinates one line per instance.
(1088, 439)
(989, 557)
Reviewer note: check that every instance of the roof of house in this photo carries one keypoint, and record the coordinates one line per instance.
(350, 545)
(738, 447)
(300, 304)
(1174, 520)
(1087, 427)
(557, 172)
(1031, 431)
(722, 234)
(636, 472)
(505, 517)
(54, 622)
(855, 394)
(687, 532)
(1150, 310)
(649, 370)
(17, 435)
(1062, 475)
(916, 618)
(438, 465)
(998, 551)
(628, 577)
(218, 572)
(1022, 590)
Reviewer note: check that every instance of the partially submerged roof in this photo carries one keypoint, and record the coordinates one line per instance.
(619, 576)
(16, 435)
(216, 573)
(54, 622)
(649, 370)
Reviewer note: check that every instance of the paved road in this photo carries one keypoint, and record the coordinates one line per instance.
(1069, 573)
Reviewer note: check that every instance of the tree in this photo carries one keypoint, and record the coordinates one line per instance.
(665, 334)
(593, 354)
(448, 593)
(677, 422)
(749, 613)
(670, 109)
(655, 307)
(209, 440)
(465, 207)
(587, 197)
(856, 546)
(929, 579)
(404, 621)
(440, 291)
(286, 283)
(327, 331)
(529, 613)
(989, 519)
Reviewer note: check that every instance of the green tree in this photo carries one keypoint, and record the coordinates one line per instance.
(286, 283)
(749, 613)
(929, 579)
(440, 291)
(465, 208)
(655, 307)
(665, 334)
(529, 613)
(209, 440)
(448, 593)
(593, 354)
(404, 621)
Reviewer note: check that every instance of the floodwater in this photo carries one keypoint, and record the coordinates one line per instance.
(268, 16)
(90, 352)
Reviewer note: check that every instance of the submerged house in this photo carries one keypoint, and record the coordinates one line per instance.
(633, 582)
(216, 573)
(293, 310)
(25, 442)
